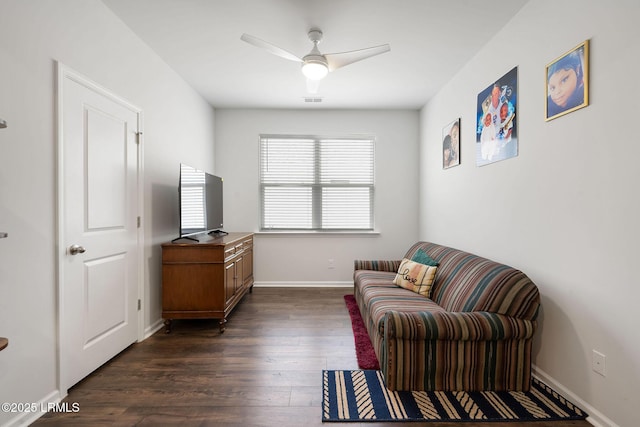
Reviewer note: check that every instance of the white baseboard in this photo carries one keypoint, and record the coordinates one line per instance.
(27, 418)
(152, 329)
(305, 284)
(595, 418)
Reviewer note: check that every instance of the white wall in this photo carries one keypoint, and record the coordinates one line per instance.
(566, 210)
(178, 126)
(303, 259)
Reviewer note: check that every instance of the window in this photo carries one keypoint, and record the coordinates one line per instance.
(314, 183)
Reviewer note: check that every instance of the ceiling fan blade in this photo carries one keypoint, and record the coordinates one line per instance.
(270, 47)
(337, 60)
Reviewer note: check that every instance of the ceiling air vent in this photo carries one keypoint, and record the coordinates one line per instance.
(312, 99)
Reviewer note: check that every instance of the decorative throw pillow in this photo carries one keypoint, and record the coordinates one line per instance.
(422, 257)
(415, 277)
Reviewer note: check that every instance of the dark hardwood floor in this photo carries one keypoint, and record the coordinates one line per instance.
(265, 370)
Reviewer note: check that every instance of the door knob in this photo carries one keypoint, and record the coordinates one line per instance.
(76, 249)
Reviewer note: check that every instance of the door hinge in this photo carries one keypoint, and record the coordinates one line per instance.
(139, 221)
(139, 305)
(138, 135)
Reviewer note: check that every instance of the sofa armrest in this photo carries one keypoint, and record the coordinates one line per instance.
(377, 265)
(458, 326)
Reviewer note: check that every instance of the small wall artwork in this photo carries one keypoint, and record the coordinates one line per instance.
(451, 144)
(567, 85)
(496, 130)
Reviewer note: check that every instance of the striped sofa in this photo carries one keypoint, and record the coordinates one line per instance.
(475, 333)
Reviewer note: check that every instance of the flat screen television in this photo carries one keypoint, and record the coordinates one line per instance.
(200, 202)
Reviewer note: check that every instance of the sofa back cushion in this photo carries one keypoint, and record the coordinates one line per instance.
(467, 282)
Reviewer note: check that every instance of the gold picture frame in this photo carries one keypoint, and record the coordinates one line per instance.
(567, 82)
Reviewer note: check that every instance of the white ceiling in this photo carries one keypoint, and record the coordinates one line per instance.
(430, 40)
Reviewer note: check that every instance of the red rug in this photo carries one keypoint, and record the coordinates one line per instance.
(364, 349)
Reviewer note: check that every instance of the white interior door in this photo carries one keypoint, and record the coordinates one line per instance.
(98, 221)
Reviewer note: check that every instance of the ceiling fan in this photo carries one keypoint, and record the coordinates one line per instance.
(315, 65)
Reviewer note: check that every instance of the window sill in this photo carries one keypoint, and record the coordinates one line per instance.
(318, 233)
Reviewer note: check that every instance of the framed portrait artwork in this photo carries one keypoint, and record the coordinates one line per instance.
(451, 144)
(496, 130)
(567, 83)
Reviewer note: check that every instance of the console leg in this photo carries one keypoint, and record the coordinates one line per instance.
(167, 326)
(222, 324)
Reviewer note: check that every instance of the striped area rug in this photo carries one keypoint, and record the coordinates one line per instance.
(362, 396)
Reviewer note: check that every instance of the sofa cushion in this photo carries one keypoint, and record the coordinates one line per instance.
(415, 277)
(374, 279)
(377, 300)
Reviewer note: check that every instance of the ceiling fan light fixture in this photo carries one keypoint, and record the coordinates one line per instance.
(315, 70)
(315, 65)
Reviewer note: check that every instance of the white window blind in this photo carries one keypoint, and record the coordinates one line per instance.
(314, 183)
(192, 182)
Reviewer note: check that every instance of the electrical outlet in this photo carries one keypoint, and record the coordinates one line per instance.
(331, 264)
(598, 362)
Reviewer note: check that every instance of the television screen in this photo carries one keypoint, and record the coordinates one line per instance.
(200, 197)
